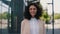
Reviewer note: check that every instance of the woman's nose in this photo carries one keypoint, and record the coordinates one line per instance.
(32, 10)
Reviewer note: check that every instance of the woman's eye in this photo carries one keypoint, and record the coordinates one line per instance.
(32, 9)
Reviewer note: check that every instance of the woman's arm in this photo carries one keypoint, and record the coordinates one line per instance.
(22, 27)
(44, 29)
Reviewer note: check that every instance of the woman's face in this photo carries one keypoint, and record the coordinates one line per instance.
(32, 10)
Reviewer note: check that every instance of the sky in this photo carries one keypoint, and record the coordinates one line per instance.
(44, 4)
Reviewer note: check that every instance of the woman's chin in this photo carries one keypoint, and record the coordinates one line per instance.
(33, 16)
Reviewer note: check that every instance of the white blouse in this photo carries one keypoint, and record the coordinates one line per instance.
(34, 28)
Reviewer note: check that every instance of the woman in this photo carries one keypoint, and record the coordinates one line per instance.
(32, 24)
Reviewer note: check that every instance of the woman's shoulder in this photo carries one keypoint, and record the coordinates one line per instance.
(24, 20)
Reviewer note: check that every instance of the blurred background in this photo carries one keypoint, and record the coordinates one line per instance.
(11, 15)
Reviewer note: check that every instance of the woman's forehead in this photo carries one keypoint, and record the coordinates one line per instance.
(32, 6)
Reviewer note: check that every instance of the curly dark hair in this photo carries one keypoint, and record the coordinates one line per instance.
(38, 14)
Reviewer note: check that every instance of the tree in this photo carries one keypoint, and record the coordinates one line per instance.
(5, 15)
(57, 16)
